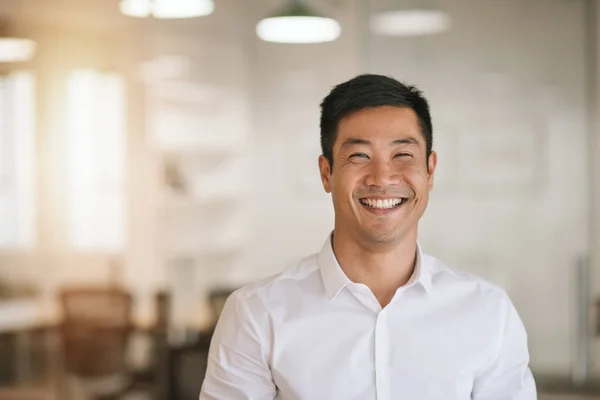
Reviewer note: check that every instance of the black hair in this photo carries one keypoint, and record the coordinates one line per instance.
(368, 91)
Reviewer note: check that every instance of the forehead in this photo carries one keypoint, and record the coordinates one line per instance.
(380, 123)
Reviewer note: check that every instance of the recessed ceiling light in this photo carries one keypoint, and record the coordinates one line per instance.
(16, 49)
(410, 22)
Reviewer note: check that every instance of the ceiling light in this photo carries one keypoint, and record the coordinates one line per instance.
(16, 49)
(297, 23)
(182, 8)
(136, 8)
(410, 22)
(167, 9)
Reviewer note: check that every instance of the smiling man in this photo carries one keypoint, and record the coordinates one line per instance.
(371, 316)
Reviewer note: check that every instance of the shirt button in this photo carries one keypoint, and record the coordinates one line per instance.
(381, 376)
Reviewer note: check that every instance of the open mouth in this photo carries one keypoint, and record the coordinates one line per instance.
(383, 204)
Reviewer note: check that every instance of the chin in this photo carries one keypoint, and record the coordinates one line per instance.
(381, 236)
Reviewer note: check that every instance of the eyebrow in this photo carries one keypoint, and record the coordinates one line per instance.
(354, 141)
(357, 141)
(409, 141)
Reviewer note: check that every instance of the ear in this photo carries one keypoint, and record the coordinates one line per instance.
(325, 170)
(431, 164)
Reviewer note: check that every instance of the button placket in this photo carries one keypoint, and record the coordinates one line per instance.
(382, 352)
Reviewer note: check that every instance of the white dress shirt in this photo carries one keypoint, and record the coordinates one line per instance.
(310, 333)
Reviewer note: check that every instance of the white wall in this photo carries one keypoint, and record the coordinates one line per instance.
(508, 99)
(292, 214)
(595, 218)
(503, 58)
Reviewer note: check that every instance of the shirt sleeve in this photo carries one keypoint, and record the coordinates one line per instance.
(508, 377)
(238, 366)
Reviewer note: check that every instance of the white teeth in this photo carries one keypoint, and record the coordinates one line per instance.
(382, 204)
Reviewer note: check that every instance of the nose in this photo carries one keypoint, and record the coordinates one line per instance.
(381, 174)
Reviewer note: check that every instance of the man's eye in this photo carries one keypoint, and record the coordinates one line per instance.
(359, 155)
(403, 155)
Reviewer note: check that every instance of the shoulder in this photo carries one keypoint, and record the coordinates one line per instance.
(483, 305)
(299, 277)
(458, 282)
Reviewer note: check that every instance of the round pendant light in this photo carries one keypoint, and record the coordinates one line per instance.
(136, 8)
(166, 9)
(297, 23)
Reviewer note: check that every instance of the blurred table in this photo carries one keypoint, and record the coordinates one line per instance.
(20, 315)
(31, 328)
(19, 318)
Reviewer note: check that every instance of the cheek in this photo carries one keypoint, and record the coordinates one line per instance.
(343, 196)
(418, 180)
(344, 192)
(344, 183)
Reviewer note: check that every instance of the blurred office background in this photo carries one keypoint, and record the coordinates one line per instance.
(149, 165)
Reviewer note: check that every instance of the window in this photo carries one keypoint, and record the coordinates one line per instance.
(17, 160)
(96, 158)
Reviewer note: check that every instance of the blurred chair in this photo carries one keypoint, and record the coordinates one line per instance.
(187, 367)
(188, 362)
(95, 334)
(158, 375)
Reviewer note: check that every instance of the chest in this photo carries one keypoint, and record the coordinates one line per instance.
(401, 352)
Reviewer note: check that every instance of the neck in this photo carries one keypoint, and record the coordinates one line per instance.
(382, 267)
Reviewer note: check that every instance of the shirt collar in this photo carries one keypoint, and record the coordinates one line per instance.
(334, 279)
(422, 272)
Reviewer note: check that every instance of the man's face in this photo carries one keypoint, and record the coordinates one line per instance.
(381, 176)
